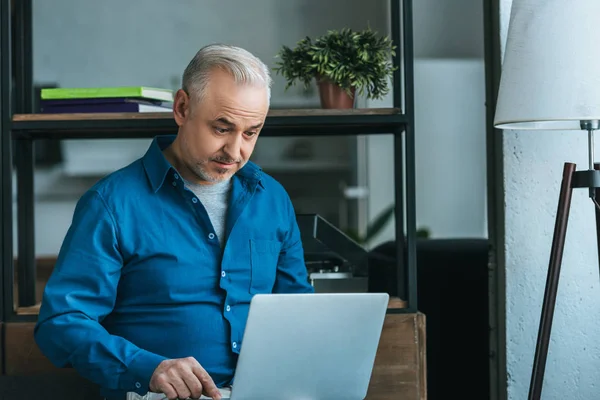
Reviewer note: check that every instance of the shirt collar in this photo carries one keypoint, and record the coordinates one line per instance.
(157, 167)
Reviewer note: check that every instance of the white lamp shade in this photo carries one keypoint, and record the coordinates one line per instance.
(551, 70)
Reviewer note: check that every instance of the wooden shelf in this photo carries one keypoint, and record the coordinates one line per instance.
(279, 122)
(32, 310)
(292, 112)
(396, 303)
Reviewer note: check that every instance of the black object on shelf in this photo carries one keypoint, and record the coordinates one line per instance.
(327, 247)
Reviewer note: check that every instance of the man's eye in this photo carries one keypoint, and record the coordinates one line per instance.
(221, 130)
(250, 134)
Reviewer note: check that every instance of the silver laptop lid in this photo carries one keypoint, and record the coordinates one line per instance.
(309, 346)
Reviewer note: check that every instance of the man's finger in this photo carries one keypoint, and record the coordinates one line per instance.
(192, 382)
(209, 387)
(168, 390)
(183, 392)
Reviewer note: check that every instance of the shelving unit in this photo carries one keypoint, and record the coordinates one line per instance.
(21, 128)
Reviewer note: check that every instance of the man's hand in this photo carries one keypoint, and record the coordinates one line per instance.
(182, 378)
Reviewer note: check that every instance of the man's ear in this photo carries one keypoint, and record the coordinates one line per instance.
(181, 107)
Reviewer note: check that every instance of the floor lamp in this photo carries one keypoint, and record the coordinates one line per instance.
(551, 81)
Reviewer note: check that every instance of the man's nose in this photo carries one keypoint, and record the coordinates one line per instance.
(233, 146)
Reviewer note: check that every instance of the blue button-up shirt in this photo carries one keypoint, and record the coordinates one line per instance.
(141, 276)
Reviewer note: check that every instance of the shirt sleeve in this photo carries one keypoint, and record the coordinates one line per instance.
(80, 292)
(292, 275)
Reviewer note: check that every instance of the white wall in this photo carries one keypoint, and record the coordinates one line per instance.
(450, 147)
(533, 163)
(448, 28)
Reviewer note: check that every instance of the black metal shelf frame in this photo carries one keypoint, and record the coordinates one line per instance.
(17, 98)
(5, 153)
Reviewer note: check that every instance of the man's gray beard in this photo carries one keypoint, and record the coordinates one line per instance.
(208, 177)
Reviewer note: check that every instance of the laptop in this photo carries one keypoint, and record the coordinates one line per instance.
(309, 346)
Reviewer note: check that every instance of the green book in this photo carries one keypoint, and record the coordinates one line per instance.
(107, 92)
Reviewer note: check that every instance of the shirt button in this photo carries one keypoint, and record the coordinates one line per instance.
(234, 345)
(211, 235)
(194, 200)
(228, 308)
(176, 176)
(223, 274)
(174, 183)
(138, 385)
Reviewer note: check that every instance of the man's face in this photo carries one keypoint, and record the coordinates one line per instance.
(217, 135)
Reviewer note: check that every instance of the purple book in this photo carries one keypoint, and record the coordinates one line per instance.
(122, 107)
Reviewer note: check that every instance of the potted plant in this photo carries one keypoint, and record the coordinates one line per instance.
(343, 63)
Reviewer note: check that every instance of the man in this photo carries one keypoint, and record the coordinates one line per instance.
(152, 284)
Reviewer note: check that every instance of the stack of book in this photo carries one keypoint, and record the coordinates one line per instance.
(136, 99)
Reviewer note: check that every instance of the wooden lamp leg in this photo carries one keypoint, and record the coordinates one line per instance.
(558, 244)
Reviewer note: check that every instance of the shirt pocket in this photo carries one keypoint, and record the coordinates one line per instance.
(264, 256)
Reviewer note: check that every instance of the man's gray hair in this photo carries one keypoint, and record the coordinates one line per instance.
(245, 68)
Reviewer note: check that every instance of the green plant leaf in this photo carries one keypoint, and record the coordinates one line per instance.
(352, 234)
(423, 233)
(379, 223)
